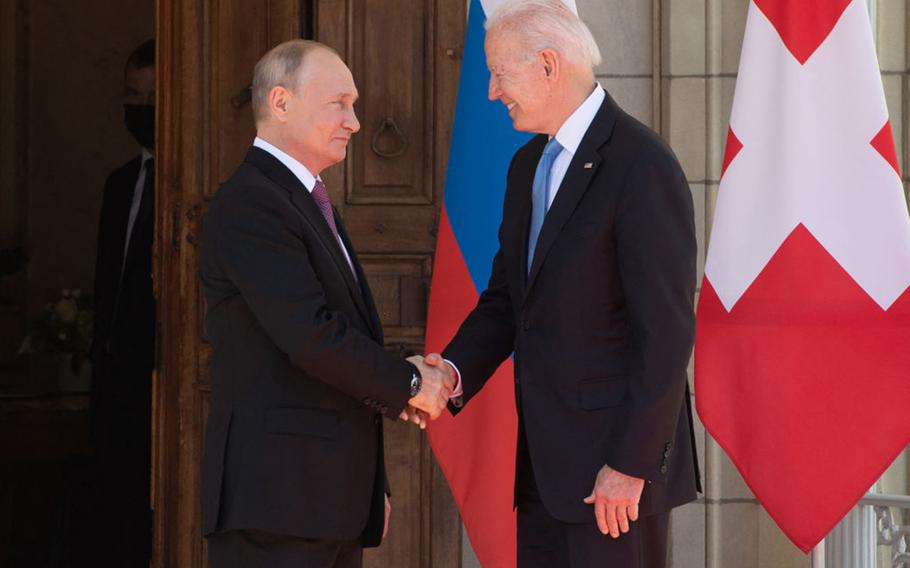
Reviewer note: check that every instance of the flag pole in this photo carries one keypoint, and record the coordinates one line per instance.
(818, 555)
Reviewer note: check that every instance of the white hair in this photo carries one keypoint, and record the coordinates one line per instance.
(283, 66)
(547, 24)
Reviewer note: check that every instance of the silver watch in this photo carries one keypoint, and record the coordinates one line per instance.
(416, 383)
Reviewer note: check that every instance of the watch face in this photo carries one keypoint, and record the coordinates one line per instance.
(415, 385)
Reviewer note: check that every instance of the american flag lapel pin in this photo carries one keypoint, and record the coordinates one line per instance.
(589, 165)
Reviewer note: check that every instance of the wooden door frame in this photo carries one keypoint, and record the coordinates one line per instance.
(181, 177)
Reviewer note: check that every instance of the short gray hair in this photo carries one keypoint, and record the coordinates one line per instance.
(283, 66)
(547, 24)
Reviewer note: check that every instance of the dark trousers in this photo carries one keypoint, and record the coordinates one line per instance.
(121, 428)
(545, 542)
(248, 549)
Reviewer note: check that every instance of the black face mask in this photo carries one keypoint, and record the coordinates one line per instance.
(140, 121)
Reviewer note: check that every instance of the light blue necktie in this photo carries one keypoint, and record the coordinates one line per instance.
(539, 194)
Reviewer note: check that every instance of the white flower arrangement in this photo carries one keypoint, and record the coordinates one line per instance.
(63, 329)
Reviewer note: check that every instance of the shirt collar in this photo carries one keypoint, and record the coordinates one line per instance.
(298, 169)
(573, 129)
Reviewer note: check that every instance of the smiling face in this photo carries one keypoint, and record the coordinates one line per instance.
(316, 116)
(521, 81)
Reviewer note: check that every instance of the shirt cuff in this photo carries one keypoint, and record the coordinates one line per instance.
(458, 390)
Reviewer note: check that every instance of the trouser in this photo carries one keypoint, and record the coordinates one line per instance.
(248, 549)
(545, 542)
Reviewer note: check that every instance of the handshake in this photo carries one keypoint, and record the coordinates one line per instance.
(438, 381)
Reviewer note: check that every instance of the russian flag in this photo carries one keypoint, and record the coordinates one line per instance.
(476, 449)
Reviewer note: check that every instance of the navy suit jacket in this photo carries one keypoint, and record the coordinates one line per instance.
(603, 326)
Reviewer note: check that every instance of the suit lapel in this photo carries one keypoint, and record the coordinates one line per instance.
(366, 295)
(301, 198)
(307, 205)
(574, 185)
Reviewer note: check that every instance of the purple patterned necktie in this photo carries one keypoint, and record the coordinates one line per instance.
(321, 196)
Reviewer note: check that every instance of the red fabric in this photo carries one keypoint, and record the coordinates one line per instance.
(803, 24)
(476, 449)
(730, 150)
(804, 385)
(884, 144)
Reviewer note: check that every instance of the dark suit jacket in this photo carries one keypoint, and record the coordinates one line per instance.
(124, 328)
(123, 336)
(299, 377)
(602, 328)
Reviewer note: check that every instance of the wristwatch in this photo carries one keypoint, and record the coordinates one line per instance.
(416, 383)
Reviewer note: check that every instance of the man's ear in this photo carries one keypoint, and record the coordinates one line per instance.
(278, 102)
(550, 60)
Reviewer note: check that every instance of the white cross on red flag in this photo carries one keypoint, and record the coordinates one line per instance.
(802, 354)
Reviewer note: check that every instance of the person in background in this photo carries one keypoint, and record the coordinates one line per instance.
(123, 346)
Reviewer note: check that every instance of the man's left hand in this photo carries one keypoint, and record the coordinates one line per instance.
(615, 498)
(388, 512)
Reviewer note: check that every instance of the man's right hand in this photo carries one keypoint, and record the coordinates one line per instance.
(435, 389)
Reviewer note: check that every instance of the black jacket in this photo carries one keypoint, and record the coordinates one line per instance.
(299, 376)
(124, 326)
(123, 335)
(603, 326)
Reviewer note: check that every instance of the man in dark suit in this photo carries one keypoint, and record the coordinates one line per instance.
(592, 289)
(293, 471)
(123, 346)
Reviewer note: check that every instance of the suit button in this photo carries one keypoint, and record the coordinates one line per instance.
(376, 419)
(667, 454)
(663, 468)
(525, 325)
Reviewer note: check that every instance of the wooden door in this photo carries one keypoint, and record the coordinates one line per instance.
(405, 56)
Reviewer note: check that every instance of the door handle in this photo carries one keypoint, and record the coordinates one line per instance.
(389, 124)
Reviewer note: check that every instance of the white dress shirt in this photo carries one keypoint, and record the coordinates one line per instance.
(303, 174)
(569, 137)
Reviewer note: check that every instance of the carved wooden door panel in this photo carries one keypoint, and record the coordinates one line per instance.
(405, 56)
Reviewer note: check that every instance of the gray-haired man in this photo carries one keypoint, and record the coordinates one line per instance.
(293, 472)
(592, 290)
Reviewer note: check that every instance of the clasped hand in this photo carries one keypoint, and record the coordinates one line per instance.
(438, 381)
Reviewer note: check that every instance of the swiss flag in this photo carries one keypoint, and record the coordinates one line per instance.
(802, 355)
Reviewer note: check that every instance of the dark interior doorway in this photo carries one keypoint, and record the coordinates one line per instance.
(62, 133)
